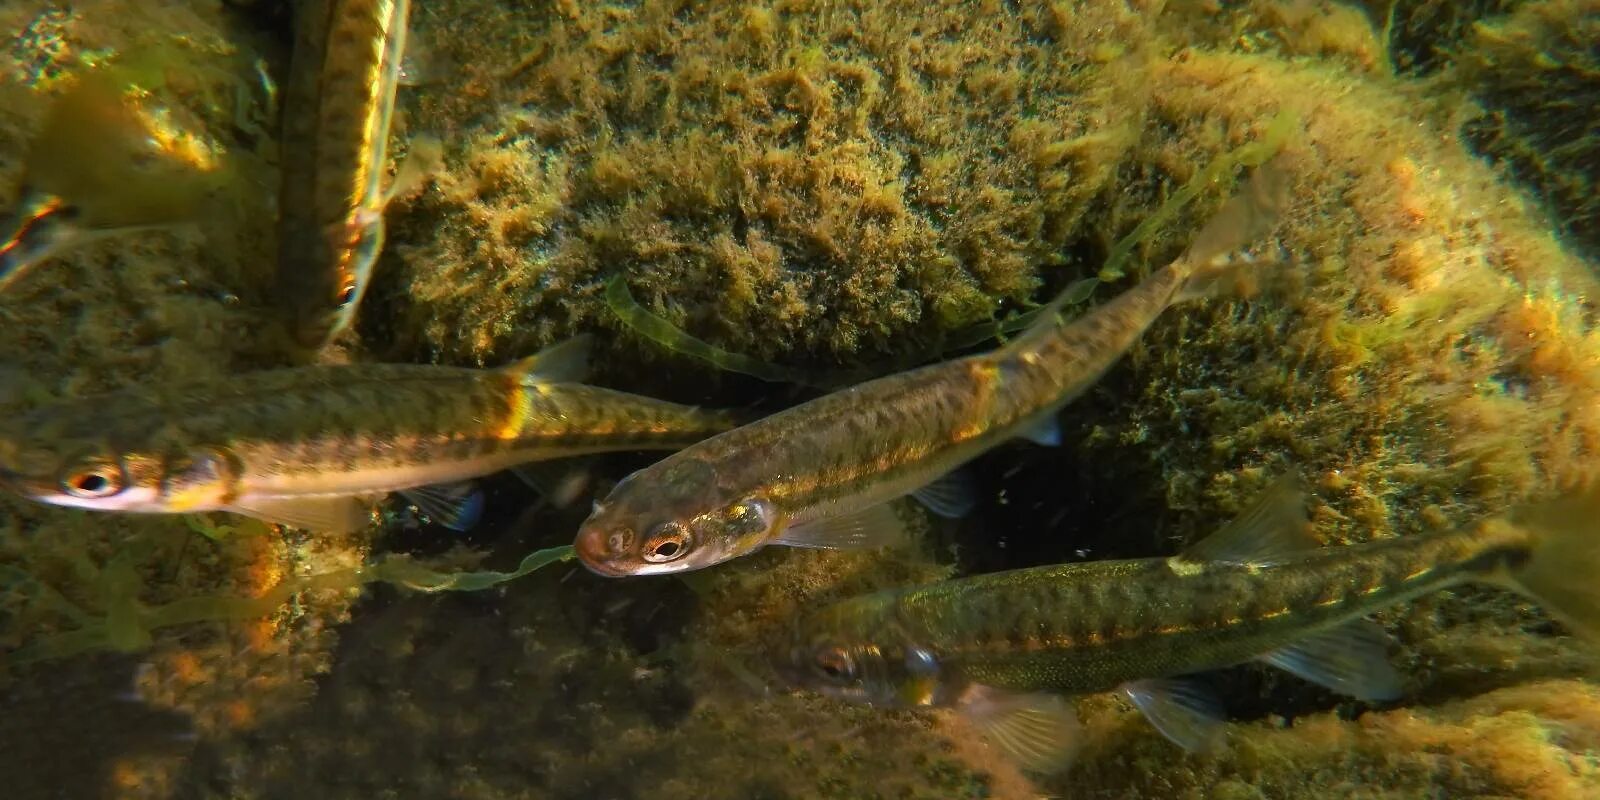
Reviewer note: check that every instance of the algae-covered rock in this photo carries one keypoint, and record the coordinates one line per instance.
(813, 181)
(1537, 75)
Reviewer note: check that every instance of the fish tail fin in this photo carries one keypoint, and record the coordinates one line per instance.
(423, 161)
(1216, 258)
(41, 226)
(1558, 560)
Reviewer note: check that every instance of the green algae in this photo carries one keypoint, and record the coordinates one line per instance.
(127, 625)
(661, 331)
(1253, 154)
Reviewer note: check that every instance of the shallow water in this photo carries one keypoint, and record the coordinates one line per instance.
(834, 188)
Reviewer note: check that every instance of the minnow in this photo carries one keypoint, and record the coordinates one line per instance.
(821, 474)
(110, 159)
(1002, 649)
(311, 446)
(338, 106)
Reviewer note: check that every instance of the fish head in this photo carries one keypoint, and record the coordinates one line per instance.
(98, 478)
(101, 476)
(848, 652)
(323, 308)
(674, 517)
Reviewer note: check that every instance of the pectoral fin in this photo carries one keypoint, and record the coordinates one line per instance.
(876, 526)
(1184, 711)
(457, 506)
(1351, 659)
(318, 514)
(1045, 431)
(1039, 731)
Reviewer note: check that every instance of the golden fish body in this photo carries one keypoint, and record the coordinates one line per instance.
(309, 445)
(338, 105)
(819, 474)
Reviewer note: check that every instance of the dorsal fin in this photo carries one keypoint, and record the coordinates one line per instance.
(1274, 528)
(562, 362)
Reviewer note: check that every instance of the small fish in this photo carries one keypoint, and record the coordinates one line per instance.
(338, 105)
(821, 474)
(311, 446)
(1002, 648)
(110, 159)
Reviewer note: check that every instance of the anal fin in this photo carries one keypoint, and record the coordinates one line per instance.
(875, 526)
(1350, 659)
(952, 496)
(317, 514)
(1184, 711)
(1039, 731)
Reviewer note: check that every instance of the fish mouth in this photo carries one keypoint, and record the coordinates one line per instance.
(594, 554)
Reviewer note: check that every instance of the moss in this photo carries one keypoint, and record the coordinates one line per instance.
(815, 182)
(764, 192)
(1531, 71)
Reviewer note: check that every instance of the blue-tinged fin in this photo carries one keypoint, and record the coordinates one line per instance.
(1039, 731)
(875, 526)
(1274, 529)
(952, 496)
(318, 514)
(1351, 659)
(1044, 431)
(564, 362)
(1183, 710)
(457, 506)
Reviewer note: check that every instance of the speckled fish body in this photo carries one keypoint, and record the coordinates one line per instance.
(819, 474)
(1003, 648)
(338, 104)
(273, 438)
(885, 438)
(1091, 627)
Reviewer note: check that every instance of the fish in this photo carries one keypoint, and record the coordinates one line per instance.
(313, 446)
(338, 105)
(110, 159)
(1004, 649)
(822, 473)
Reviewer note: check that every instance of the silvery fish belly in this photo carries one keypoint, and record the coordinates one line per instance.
(338, 105)
(820, 474)
(1003, 648)
(311, 446)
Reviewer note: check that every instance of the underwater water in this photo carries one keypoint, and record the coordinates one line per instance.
(257, 246)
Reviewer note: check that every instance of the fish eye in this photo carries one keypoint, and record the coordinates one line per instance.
(669, 542)
(95, 480)
(835, 664)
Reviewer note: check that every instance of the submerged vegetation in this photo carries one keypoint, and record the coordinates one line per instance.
(834, 187)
